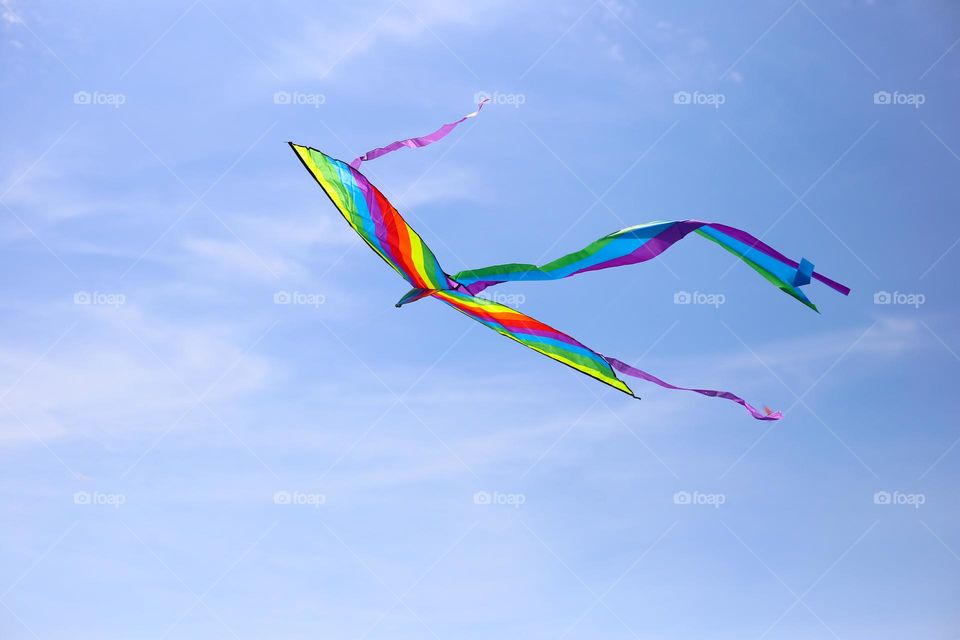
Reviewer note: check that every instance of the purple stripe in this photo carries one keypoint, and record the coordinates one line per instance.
(643, 375)
(419, 141)
(652, 247)
(376, 215)
(761, 246)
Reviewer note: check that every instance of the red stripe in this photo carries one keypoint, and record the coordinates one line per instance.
(513, 321)
(398, 238)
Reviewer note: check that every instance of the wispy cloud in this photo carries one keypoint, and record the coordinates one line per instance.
(125, 372)
(322, 49)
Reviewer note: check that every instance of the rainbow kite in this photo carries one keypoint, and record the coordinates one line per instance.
(379, 224)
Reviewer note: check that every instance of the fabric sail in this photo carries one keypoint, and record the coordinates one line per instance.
(384, 230)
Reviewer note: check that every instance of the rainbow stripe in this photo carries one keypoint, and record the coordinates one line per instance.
(534, 334)
(374, 219)
(645, 242)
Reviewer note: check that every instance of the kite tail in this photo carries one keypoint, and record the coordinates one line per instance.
(420, 141)
(622, 367)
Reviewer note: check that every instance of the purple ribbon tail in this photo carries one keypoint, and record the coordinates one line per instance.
(622, 367)
(420, 141)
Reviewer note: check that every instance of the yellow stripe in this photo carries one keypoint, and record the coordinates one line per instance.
(493, 308)
(416, 253)
(612, 381)
(337, 195)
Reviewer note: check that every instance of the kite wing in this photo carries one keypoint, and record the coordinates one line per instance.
(374, 219)
(647, 241)
(386, 232)
(562, 348)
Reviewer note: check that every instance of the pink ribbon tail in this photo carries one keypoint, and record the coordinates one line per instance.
(643, 375)
(420, 141)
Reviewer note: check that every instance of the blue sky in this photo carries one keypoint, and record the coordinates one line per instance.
(185, 458)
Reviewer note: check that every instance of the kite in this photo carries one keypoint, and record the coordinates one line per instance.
(385, 231)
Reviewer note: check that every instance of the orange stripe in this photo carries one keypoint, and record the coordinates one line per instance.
(398, 236)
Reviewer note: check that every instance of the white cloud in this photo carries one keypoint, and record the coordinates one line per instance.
(238, 258)
(100, 380)
(444, 183)
(324, 46)
(8, 14)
